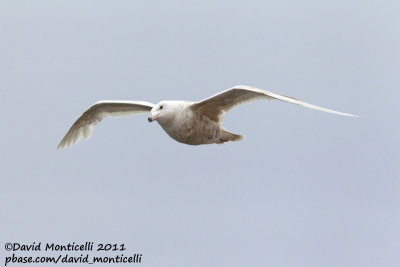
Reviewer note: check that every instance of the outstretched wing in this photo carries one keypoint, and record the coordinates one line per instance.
(83, 127)
(214, 107)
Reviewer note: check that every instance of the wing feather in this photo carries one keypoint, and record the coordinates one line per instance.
(84, 125)
(215, 106)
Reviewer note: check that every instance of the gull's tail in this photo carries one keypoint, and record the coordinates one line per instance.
(227, 136)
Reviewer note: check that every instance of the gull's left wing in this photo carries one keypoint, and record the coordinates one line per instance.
(83, 126)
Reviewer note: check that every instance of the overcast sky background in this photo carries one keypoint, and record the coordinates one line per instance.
(304, 188)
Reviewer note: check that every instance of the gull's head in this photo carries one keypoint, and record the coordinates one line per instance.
(163, 112)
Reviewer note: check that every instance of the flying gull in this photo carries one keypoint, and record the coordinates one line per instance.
(192, 123)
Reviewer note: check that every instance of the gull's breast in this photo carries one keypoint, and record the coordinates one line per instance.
(194, 129)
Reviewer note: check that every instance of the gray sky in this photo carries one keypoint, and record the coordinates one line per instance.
(304, 188)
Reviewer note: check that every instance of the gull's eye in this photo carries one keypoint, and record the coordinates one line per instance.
(161, 107)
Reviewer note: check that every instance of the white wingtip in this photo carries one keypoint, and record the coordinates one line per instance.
(344, 114)
(350, 115)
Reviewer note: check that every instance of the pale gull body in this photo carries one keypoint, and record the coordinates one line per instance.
(192, 123)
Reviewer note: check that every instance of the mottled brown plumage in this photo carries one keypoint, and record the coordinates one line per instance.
(192, 123)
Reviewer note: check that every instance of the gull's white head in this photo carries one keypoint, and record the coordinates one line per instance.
(163, 112)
